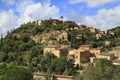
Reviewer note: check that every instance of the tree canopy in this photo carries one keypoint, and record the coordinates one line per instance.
(12, 72)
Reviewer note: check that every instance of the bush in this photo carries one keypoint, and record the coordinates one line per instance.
(12, 72)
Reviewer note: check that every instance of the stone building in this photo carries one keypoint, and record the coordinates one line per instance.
(116, 61)
(103, 33)
(109, 56)
(82, 27)
(76, 28)
(54, 35)
(91, 29)
(85, 47)
(41, 76)
(78, 36)
(57, 50)
(38, 22)
(35, 38)
(107, 43)
(116, 51)
(62, 36)
(98, 36)
(54, 21)
(16, 35)
(111, 33)
(78, 56)
(96, 51)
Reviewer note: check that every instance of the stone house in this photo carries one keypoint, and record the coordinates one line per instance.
(60, 36)
(57, 50)
(71, 28)
(95, 52)
(78, 56)
(82, 27)
(109, 56)
(63, 36)
(88, 53)
(116, 61)
(16, 36)
(98, 36)
(76, 28)
(54, 35)
(54, 21)
(91, 29)
(85, 47)
(38, 22)
(107, 43)
(106, 32)
(35, 38)
(103, 33)
(116, 51)
(78, 36)
(40, 38)
(111, 33)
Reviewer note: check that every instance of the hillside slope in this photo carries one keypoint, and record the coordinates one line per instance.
(24, 46)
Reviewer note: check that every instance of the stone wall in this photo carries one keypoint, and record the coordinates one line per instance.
(41, 76)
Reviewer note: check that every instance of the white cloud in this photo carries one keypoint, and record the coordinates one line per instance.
(27, 11)
(46, 2)
(7, 21)
(22, 4)
(93, 3)
(9, 2)
(30, 11)
(105, 19)
(76, 1)
(73, 16)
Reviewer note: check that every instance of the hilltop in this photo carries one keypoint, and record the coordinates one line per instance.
(54, 31)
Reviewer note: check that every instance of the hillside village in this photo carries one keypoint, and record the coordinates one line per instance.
(86, 52)
(63, 34)
(42, 43)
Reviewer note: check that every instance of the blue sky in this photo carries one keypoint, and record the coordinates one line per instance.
(102, 14)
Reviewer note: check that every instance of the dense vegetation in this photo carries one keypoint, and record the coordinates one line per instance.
(101, 70)
(17, 47)
(12, 72)
(53, 65)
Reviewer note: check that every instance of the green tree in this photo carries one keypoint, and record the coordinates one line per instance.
(24, 37)
(116, 74)
(78, 77)
(102, 70)
(12, 72)
(3, 57)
